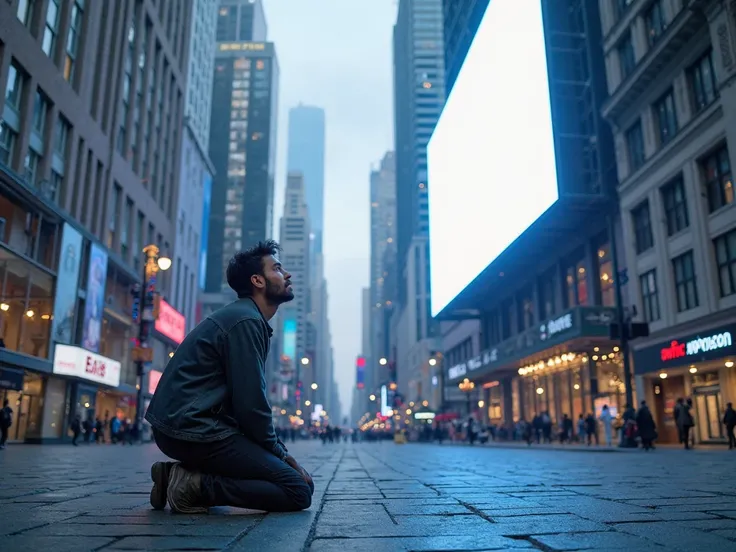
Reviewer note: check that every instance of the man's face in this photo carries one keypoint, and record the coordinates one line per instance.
(278, 281)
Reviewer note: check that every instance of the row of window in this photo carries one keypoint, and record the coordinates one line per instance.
(703, 92)
(717, 178)
(686, 281)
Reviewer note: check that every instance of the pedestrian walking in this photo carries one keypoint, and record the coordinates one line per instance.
(6, 421)
(729, 420)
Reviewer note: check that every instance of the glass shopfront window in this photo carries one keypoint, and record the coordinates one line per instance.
(611, 388)
(26, 305)
(115, 344)
(28, 233)
(27, 408)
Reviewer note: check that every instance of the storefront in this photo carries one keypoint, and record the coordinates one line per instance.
(699, 366)
(93, 392)
(566, 365)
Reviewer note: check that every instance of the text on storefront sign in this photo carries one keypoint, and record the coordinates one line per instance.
(696, 346)
(78, 362)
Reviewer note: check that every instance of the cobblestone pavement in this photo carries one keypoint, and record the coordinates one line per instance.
(382, 497)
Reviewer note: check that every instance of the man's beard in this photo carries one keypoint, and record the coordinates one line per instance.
(276, 296)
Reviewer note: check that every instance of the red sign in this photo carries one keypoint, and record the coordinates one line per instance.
(672, 351)
(171, 323)
(154, 376)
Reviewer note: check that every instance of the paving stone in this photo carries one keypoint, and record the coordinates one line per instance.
(611, 540)
(384, 498)
(57, 544)
(415, 544)
(170, 543)
(675, 537)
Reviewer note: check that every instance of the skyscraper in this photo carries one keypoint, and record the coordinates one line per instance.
(195, 176)
(294, 316)
(242, 150)
(241, 21)
(306, 154)
(383, 254)
(419, 94)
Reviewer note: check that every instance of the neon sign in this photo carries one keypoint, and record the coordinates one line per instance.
(696, 346)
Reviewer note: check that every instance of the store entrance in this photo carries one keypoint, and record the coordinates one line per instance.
(21, 405)
(708, 411)
(666, 392)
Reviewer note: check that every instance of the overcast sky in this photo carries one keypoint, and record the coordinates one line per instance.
(337, 54)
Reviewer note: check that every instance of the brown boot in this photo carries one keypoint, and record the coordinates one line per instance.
(160, 472)
(184, 492)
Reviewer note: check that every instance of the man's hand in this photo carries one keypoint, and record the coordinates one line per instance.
(294, 464)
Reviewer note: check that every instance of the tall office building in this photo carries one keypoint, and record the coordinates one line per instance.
(383, 252)
(242, 148)
(293, 323)
(306, 154)
(241, 21)
(195, 176)
(90, 140)
(419, 95)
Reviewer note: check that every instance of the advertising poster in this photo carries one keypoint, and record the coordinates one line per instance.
(67, 282)
(360, 372)
(95, 304)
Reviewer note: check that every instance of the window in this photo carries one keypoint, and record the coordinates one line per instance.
(675, 206)
(576, 287)
(702, 80)
(40, 107)
(622, 6)
(635, 146)
(664, 110)
(56, 185)
(31, 166)
(547, 296)
(124, 226)
(626, 55)
(655, 22)
(650, 296)
(605, 275)
(7, 143)
(685, 284)
(51, 28)
(716, 169)
(113, 214)
(25, 11)
(72, 39)
(725, 246)
(61, 135)
(14, 88)
(642, 227)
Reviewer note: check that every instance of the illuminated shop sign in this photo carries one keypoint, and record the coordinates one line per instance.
(81, 363)
(171, 323)
(713, 344)
(697, 346)
(553, 327)
(475, 363)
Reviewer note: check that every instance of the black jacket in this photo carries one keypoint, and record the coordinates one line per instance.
(215, 384)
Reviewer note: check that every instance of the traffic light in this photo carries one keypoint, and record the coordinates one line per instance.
(632, 329)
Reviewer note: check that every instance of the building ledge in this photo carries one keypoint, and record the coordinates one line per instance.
(683, 27)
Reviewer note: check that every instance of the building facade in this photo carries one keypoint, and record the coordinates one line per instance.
(306, 154)
(241, 21)
(90, 143)
(532, 330)
(419, 95)
(298, 362)
(383, 270)
(195, 182)
(242, 150)
(461, 21)
(672, 105)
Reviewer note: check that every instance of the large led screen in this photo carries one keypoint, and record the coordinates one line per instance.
(491, 157)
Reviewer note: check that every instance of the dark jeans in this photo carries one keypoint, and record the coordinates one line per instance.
(3, 435)
(237, 472)
(731, 436)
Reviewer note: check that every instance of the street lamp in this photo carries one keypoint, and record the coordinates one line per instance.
(467, 386)
(383, 362)
(432, 361)
(305, 361)
(314, 387)
(147, 305)
(372, 398)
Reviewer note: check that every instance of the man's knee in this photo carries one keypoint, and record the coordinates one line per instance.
(301, 496)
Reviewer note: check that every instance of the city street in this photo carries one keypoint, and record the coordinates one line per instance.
(385, 497)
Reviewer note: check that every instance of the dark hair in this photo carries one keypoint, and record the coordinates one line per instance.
(246, 264)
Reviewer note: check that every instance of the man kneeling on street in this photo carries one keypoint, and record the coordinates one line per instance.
(211, 412)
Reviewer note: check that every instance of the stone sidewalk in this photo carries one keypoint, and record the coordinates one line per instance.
(382, 497)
